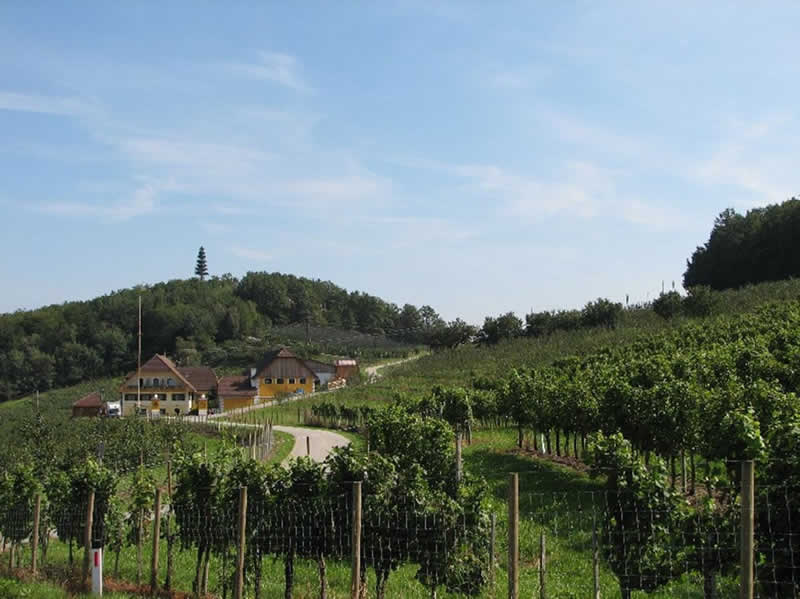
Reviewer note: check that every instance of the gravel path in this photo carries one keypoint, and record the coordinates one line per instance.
(322, 442)
(373, 372)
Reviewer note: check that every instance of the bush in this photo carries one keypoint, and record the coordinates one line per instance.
(668, 305)
(701, 301)
(601, 313)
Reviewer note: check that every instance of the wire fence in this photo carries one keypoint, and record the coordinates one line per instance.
(532, 544)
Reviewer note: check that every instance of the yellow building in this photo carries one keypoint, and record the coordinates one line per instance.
(282, 372)
(176, 389)
(236, 392)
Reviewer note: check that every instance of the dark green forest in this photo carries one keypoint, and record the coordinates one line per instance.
(191, 319)
(761, 245)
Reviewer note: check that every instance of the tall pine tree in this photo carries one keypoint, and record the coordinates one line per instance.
(201, 270)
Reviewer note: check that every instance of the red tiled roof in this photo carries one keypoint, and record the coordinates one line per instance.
(161, 363)
(202, 377)
(235, 386)
(93, 400)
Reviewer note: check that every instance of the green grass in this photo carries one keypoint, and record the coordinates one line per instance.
(284, 442)
(11, 588)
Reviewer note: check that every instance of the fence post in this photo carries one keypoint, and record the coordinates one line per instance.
(156, 538)
(492, 550)
(748, 499)
(459, 437)
(355, 575)
(238, 591)
(37, 510)
(595, 560)
(168, 577)
(513, 536)
(308, 446)
(542, 567)
(87, 539)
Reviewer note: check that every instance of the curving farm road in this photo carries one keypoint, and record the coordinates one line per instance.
(322, 442)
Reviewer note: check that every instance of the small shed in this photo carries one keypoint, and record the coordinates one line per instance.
(88, 406)
(323, 372)
(346, 369)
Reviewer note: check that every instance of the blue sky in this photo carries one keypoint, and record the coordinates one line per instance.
(477, 157)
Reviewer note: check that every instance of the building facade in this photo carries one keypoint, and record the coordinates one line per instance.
(166, 388)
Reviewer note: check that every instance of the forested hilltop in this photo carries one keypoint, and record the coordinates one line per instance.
(761, 245)
(194, 320)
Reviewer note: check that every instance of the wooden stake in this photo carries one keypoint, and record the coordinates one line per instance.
(513, 536)
(458, 456)
(156, 539)
(355, 574)
(492, 540)
(595, 560)
(168, 578)
(748, 500)
(308, 446)
(238, 589)
(37, 509)
(542, 567)
(87, 539)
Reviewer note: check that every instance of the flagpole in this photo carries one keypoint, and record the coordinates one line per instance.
(139, 363)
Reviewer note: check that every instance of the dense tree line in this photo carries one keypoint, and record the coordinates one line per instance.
(65, 344)
(761, 245)
(599, 313)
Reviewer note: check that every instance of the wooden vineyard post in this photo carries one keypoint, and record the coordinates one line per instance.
(355, 574)
(595, 560)
(37, 511)
(492, 539)
(168, 578)
(87, 539)
(238, 591)
(459, 438)
(542, 567)
(748, 499)
(513, 536)
(156, 539)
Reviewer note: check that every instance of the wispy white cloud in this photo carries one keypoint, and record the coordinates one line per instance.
(45, 104)
(652, 215)
(402, 232)
(344, 188)
(252, 254)
(277, 67)
(516, 79)
(758, 157)
(144, 200)
(194, 153)
(590, 135)
(578, 192)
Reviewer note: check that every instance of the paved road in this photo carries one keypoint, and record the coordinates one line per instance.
(322, 442)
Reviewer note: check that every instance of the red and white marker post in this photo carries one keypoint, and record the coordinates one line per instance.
(97, 572)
